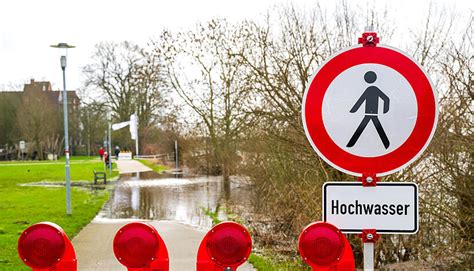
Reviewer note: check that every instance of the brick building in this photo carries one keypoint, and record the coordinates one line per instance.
(35, 114)
(55, 96)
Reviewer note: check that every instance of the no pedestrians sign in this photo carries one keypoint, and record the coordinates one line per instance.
(369, 110)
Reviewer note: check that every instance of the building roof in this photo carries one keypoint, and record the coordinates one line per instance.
(45, 86)
(37, 86)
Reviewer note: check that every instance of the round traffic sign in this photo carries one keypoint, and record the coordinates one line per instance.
(369, 110)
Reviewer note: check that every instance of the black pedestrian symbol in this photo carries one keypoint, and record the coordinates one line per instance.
(371, 98)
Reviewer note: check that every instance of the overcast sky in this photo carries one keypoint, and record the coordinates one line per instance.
(27, 28)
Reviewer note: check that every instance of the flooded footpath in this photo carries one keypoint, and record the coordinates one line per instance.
(175, 205)
(152, 196)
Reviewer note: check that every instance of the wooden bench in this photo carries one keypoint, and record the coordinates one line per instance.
(99, 175)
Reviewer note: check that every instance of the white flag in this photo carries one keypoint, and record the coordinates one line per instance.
(134, 126)
(118, 126)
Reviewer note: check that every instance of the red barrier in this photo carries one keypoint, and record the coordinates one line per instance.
(45, 246)
(225, 247)
(138, 246)
(324, 247)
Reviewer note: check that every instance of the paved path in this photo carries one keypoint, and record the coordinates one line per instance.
(131, 166)
(93, 245)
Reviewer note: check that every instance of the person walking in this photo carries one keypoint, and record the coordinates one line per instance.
(371, 98)
(106, 159)
(117, 152)
(101, 153)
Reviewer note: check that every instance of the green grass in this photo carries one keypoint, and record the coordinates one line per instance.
(81, 158)
(156, 167)
(213, 215)
(73, 159)
(263, 263)
(22, 206)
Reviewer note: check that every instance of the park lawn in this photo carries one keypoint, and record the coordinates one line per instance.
(22, 206)
(73, 159)
(156, 167)
(80, 158)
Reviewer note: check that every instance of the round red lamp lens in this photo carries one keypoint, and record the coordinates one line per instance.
(229, 244)
(41, 246)
(135, 245)
(321, 244)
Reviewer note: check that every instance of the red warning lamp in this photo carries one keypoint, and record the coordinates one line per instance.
(138, 246)
(45, 246)
(324, 247)
(225, 247)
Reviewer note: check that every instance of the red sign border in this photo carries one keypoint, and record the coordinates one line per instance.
(399, 158)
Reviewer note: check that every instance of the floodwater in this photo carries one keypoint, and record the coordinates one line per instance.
(153, 196)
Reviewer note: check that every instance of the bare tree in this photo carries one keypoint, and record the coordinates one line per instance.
(130, 81)
(448, 168)
(40, 123)
(9, 104)
(244, 84)
(281, 59)
(203, 71)
(94, 123)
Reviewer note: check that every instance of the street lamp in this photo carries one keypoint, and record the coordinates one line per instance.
(109, 145)
(63, 51)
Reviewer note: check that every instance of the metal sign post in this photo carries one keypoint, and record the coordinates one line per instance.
(369, 243)
(176, 154)
(369, 236)
(368, 256)
(22, 149)
(109, 145)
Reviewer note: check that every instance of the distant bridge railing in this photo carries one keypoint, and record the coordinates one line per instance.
(155, 156)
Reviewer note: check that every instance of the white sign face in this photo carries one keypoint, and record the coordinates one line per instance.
(390, 208)
(22, 145)
(369, 117)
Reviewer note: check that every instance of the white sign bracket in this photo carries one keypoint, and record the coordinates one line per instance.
(368, 179)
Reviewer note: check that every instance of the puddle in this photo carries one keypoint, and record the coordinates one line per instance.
(152, 196)
(148, 175)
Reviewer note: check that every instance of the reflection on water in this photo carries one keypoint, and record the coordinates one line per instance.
(157, 197)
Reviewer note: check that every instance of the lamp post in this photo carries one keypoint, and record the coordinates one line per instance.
(109, 145)
(63, 50)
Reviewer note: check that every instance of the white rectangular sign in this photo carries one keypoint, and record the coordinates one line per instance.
(390, 208)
